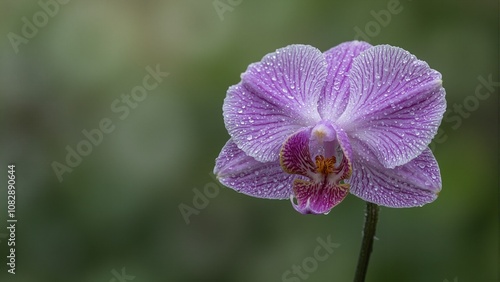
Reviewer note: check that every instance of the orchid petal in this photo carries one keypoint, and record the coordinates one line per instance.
(414, 184)
(317, 198)
(246, 175)
(347, 152)
(335, 94)
(295, 155)
(276, 97)
(395, 106)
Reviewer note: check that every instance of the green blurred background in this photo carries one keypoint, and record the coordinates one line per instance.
(120, 207)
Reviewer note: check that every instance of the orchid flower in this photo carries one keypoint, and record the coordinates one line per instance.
(313, 127)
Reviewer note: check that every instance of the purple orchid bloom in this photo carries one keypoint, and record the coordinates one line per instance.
(312, 127)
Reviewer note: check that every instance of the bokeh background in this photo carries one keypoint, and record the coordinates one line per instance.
(119, 210)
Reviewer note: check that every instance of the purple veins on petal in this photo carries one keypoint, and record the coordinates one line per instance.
(258, 126)
(317, 197)
(396, 104)
(275, 98)
(295, 156)
(335, 94)
(246, 175)
(413, 184)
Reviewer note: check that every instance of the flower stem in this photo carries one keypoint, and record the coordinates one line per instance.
(371, 217)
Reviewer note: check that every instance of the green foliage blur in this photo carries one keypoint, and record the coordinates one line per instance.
(119, 210)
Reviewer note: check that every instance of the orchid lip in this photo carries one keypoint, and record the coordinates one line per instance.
(324, 188)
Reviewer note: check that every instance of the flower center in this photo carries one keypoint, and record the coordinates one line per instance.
(321, 184)
(324, 165)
